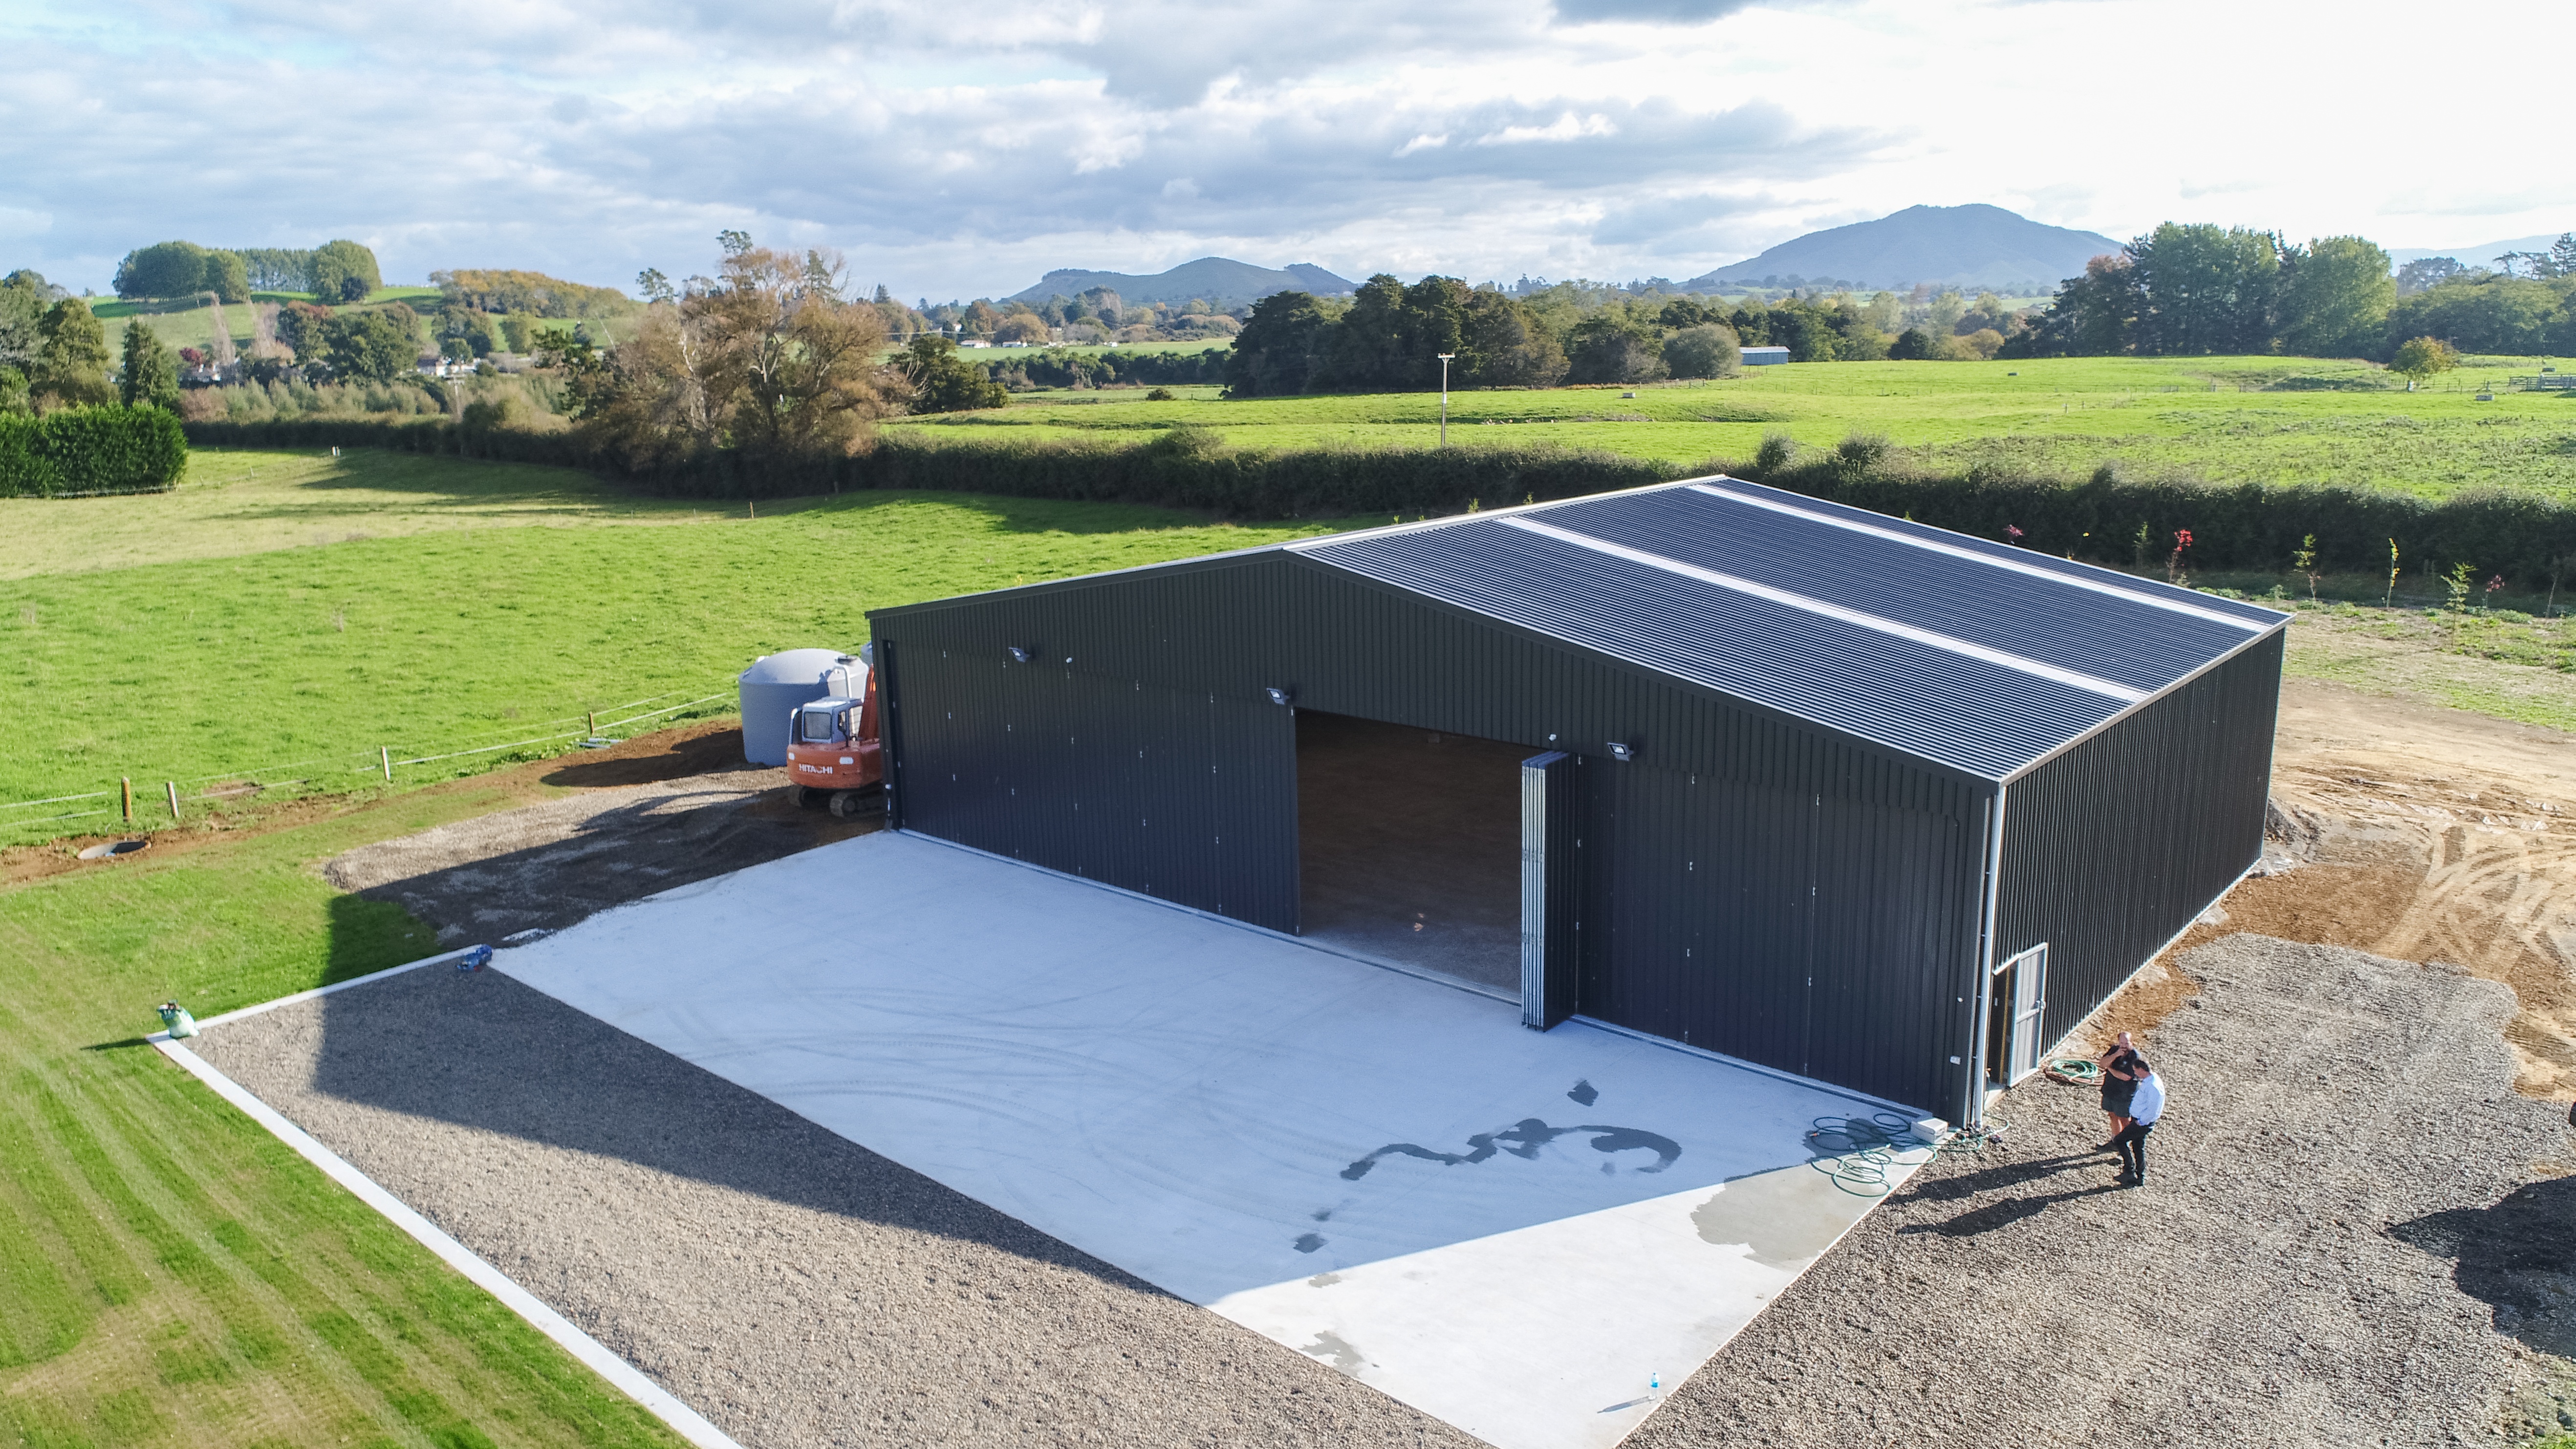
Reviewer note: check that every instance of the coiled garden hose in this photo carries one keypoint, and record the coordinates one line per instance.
(1861, 1153)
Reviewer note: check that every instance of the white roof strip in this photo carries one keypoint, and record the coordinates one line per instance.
(2078, 581)
(2073, 679)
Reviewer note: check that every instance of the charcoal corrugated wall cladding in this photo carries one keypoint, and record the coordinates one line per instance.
(1823, 927)
(1748, 884)
(2112, 848)
(1185, 794)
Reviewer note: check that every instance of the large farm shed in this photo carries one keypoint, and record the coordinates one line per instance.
(1838, 794)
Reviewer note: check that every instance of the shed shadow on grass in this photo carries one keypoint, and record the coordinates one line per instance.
(482, 1051)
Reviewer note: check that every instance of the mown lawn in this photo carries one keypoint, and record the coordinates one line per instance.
(2230, 419)
(169, 1273)
(443, 605)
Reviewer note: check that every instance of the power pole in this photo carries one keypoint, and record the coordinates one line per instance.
(1444, 397)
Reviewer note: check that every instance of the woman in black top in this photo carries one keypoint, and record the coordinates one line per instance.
(2119, 1084)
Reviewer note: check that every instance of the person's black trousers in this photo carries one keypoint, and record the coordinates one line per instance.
(2132, 1147)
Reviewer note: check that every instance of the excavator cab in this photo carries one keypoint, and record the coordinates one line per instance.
(833, 754)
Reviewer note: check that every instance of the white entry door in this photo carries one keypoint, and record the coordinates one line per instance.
(2026, 987)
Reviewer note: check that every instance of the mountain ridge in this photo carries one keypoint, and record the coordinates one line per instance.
(1976, 245)
(1212, 279)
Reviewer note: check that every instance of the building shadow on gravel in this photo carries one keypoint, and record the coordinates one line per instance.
(2517, 1256)
(482, 1051)
(623, 853)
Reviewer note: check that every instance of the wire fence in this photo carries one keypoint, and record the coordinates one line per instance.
(382, 761)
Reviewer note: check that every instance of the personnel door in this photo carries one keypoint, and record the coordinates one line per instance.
(2016, 1013)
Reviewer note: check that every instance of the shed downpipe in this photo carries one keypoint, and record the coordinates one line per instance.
(1972, 1112)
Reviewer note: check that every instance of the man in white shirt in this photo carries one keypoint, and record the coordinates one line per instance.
(2146, 1108)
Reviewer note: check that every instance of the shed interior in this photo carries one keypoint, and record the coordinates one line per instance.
(1409, 846)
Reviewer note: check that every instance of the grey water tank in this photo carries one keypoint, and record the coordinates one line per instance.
(776, 683)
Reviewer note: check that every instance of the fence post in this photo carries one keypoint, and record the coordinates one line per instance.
(125, 795)
(173, 787)
(386, 754)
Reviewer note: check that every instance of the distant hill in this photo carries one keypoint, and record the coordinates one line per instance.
(1957, 246)
(1214, 279)
(2483, 254)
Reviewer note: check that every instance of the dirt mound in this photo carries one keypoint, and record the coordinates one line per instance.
(2429, 834)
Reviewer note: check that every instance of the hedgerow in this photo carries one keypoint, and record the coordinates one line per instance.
(2521, 536)
(82, 451)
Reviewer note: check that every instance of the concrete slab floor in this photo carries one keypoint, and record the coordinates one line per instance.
(1512, 1231)
(1409, 845)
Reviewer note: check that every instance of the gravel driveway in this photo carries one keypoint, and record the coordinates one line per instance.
(2336, 1228)
(2343, 1244)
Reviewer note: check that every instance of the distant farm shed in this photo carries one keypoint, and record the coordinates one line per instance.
(1842, 795)
(1765, 356)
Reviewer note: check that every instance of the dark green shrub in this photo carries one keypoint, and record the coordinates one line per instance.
(81, 451)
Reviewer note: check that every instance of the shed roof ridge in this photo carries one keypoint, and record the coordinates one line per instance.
(2002, 658)
(1934, 545)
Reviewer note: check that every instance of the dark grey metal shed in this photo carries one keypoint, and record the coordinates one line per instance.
(1834, 793)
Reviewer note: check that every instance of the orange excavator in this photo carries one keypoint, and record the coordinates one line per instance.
(833, 752)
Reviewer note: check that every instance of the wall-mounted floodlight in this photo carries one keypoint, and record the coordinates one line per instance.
(1277, 696)
(1019, 655)
(1622, 751)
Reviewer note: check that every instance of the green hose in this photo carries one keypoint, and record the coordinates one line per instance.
(2074, 1071)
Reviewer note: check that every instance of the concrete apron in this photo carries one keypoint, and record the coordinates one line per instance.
(1512, 1231)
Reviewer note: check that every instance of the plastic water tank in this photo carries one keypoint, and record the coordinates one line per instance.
(776, 683)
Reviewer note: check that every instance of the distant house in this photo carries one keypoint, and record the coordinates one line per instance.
(1765, 356)
(973, 342)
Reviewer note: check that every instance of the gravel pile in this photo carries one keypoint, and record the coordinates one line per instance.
(2342, 1218)
(2339, 1220)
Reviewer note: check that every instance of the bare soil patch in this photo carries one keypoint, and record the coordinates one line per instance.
(685, 751)
(2429, 834)
(545, 866)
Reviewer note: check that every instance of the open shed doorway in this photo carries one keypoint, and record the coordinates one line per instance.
(1409, 845)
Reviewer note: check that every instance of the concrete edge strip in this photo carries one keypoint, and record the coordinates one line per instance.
(1934, 545)
(685, 1421)
(291, 998)
(2072, 679)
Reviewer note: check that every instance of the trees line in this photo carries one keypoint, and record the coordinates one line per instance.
(2195, 290)
(336, 271)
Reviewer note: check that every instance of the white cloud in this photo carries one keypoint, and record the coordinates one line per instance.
(966, 148)
(1567, 127)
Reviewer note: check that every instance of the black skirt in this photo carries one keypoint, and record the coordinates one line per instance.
(2116, 1093)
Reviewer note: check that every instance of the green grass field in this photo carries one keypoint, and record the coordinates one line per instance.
(2267, 419)
(190, 321)
(280, 619)
(169, 1275)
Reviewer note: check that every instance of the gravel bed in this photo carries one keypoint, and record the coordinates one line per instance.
(795, 1288)
(2342, 1243)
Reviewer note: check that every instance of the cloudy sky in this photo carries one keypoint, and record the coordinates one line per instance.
(965, 147)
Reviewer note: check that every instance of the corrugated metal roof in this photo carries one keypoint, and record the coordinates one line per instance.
(1977, 655)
